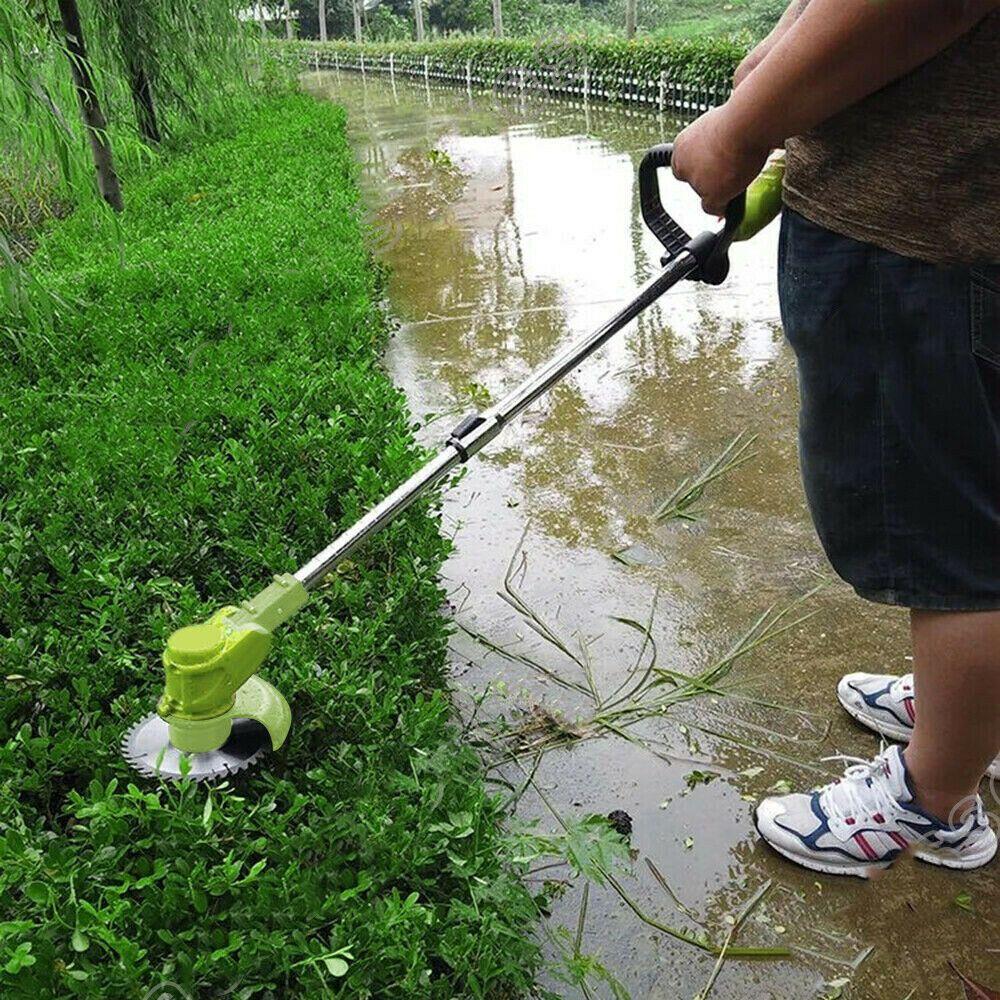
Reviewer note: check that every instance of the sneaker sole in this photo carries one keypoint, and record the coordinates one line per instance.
(865, 871)
(895, 732)
(959, 863)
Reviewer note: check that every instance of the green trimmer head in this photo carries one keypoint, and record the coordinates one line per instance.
(217, 717)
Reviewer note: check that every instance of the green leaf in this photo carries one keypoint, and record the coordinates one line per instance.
(695, 778)
(21, 959)
(38, 892)
(336, 966)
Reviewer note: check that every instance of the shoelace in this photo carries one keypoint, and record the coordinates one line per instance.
(852, 796)
(862, 799)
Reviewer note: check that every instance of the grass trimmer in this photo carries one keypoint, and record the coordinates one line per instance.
(217, 716)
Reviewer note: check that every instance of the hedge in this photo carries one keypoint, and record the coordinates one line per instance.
(691, 63)
(209, 412)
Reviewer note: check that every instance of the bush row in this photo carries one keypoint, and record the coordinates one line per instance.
(690, 62)
(209, 409)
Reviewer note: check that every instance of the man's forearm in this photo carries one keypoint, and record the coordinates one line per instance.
(836, 53)
(760, 51)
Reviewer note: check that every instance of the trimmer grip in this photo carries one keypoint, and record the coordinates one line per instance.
(656, 217)
(711, 249)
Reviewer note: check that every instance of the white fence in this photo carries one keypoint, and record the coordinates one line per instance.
(660, 94)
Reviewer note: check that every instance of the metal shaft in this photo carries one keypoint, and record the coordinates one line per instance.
(475, 432)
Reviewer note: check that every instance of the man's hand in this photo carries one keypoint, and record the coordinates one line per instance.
(710, 156)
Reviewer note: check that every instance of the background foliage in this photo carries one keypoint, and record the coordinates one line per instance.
(555, 18)
(210, 413)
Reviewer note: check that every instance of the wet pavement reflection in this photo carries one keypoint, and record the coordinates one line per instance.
(509, 228)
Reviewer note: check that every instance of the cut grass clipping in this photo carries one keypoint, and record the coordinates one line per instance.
(648, 690)
(681, 504)
(210, 413)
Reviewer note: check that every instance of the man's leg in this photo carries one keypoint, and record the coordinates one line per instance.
(957, 731)
(900, 449)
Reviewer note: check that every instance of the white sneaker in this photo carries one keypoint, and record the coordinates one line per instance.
(862, 822)
(885, 703)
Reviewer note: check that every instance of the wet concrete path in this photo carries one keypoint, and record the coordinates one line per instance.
(510, 228)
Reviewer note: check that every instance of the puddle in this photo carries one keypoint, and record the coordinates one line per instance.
(510, 229)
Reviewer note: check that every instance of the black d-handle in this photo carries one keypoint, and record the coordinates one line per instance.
(710, 249)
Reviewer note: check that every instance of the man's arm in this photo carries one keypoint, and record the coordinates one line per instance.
(834, 54)
(758, 53)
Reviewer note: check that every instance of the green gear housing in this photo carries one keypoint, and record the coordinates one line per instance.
(211, 671)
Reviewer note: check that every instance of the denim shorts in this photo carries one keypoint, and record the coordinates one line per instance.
(899, 430)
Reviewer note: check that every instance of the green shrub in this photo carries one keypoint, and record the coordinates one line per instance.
(695, 62)
(212, 412)
(387, 26)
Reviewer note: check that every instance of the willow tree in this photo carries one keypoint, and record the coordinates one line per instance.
(34, 131)
(33, 37)
(130, 22)
(130, 67)
(170, 55)
(94, 121)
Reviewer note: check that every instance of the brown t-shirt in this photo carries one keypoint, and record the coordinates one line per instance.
(914, 167)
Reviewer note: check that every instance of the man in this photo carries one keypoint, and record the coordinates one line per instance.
(889, 278)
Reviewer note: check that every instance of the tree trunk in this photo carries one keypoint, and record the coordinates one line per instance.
(418, 17)
(356, 4)
(498, 18)
(288, 20)
(129, 42)
(142, 98)
(631, 16)
(262, 13)
(322, 20)
(95, 124)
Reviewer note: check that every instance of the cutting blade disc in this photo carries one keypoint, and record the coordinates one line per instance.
(146, 746)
